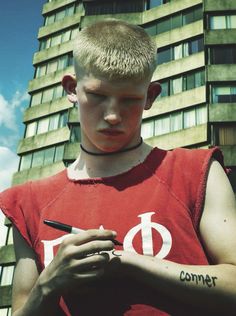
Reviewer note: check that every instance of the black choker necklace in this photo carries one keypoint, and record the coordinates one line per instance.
(113, 152)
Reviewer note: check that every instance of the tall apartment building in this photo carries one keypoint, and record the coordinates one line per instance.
(196, 59)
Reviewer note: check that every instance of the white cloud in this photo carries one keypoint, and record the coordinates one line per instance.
(8, 165)
(8, 109)
(7, 115)
(19, 98)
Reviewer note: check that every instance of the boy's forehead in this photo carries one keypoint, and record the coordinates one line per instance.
(92, 81)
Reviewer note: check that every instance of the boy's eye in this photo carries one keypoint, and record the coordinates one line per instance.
(95, 95)
(131, 100)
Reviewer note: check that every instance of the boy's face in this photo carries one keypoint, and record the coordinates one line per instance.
(110, 112)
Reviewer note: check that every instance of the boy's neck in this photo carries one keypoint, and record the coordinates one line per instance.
(90, 166)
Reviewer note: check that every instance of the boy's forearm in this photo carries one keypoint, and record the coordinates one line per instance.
(39, 303)
(212, 286)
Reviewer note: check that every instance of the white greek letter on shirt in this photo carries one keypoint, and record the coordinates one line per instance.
(146, 226)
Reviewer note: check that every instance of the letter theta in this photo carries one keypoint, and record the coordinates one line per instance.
(146, 227)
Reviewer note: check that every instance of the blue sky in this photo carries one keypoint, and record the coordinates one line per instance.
(19, 24)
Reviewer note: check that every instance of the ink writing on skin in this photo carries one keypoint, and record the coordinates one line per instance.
(206, 280)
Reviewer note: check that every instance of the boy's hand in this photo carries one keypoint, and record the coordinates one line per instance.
(81, 258)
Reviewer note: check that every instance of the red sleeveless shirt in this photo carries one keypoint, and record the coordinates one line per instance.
(155, 208)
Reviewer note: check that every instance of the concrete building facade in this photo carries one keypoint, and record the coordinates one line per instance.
(196, 66)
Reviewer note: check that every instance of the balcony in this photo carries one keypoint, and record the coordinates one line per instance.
(222, 112)
(168, 9)
(48, 80)
(179, 34)
(215, 37)
(52, 52)
(221, 73)
(54, 5)
(177, 102)
(218, 5)
(183, 138)
(176, 67)
(43, 140)
(40, 110)
(37, 173)
(60, 25)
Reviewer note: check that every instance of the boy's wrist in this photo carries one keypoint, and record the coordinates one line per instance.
(125, 260)
(46, 289)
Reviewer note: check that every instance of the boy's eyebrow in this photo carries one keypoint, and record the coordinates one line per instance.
(99, 90)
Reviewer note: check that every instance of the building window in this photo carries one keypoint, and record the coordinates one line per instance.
(42, 157)
(56, 64)
(176, 85)
(6, 311)
(164, 25)
(225, 94)
(26, 161)
(164, 55)
(147, 129)
(31, 129)
(177, 51)
(75, 136)
(54, 122)
(7, 275)
(155, 3)
(43, 125)
(223, 55)
(174, 21)
(47, 95)
(113, 7)
(189, 118)
(9, 240)
(220, 22)
(4, 231)
(36, 98)
(182, 83)
(201, 115)
(60, 14)
(174, 121)
(46, 124)
(190, 16)
(58, 38)
(59, 152)
(227, 135)
(49, 155)
(162, 125)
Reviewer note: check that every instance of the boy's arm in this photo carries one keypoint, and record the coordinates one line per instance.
(37, 293)
(25, 287)
(211, 287)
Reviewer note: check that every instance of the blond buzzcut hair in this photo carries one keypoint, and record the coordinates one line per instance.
(114, 49)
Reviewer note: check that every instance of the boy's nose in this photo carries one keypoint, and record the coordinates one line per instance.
(112, 113)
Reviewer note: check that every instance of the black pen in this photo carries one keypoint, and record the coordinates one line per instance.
(71, 229)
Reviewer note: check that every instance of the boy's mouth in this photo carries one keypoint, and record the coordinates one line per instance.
(111, 132)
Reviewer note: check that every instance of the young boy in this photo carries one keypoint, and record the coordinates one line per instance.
(174, 211)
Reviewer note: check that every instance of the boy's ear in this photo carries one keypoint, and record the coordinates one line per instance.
(69, 84)
(154, 90)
